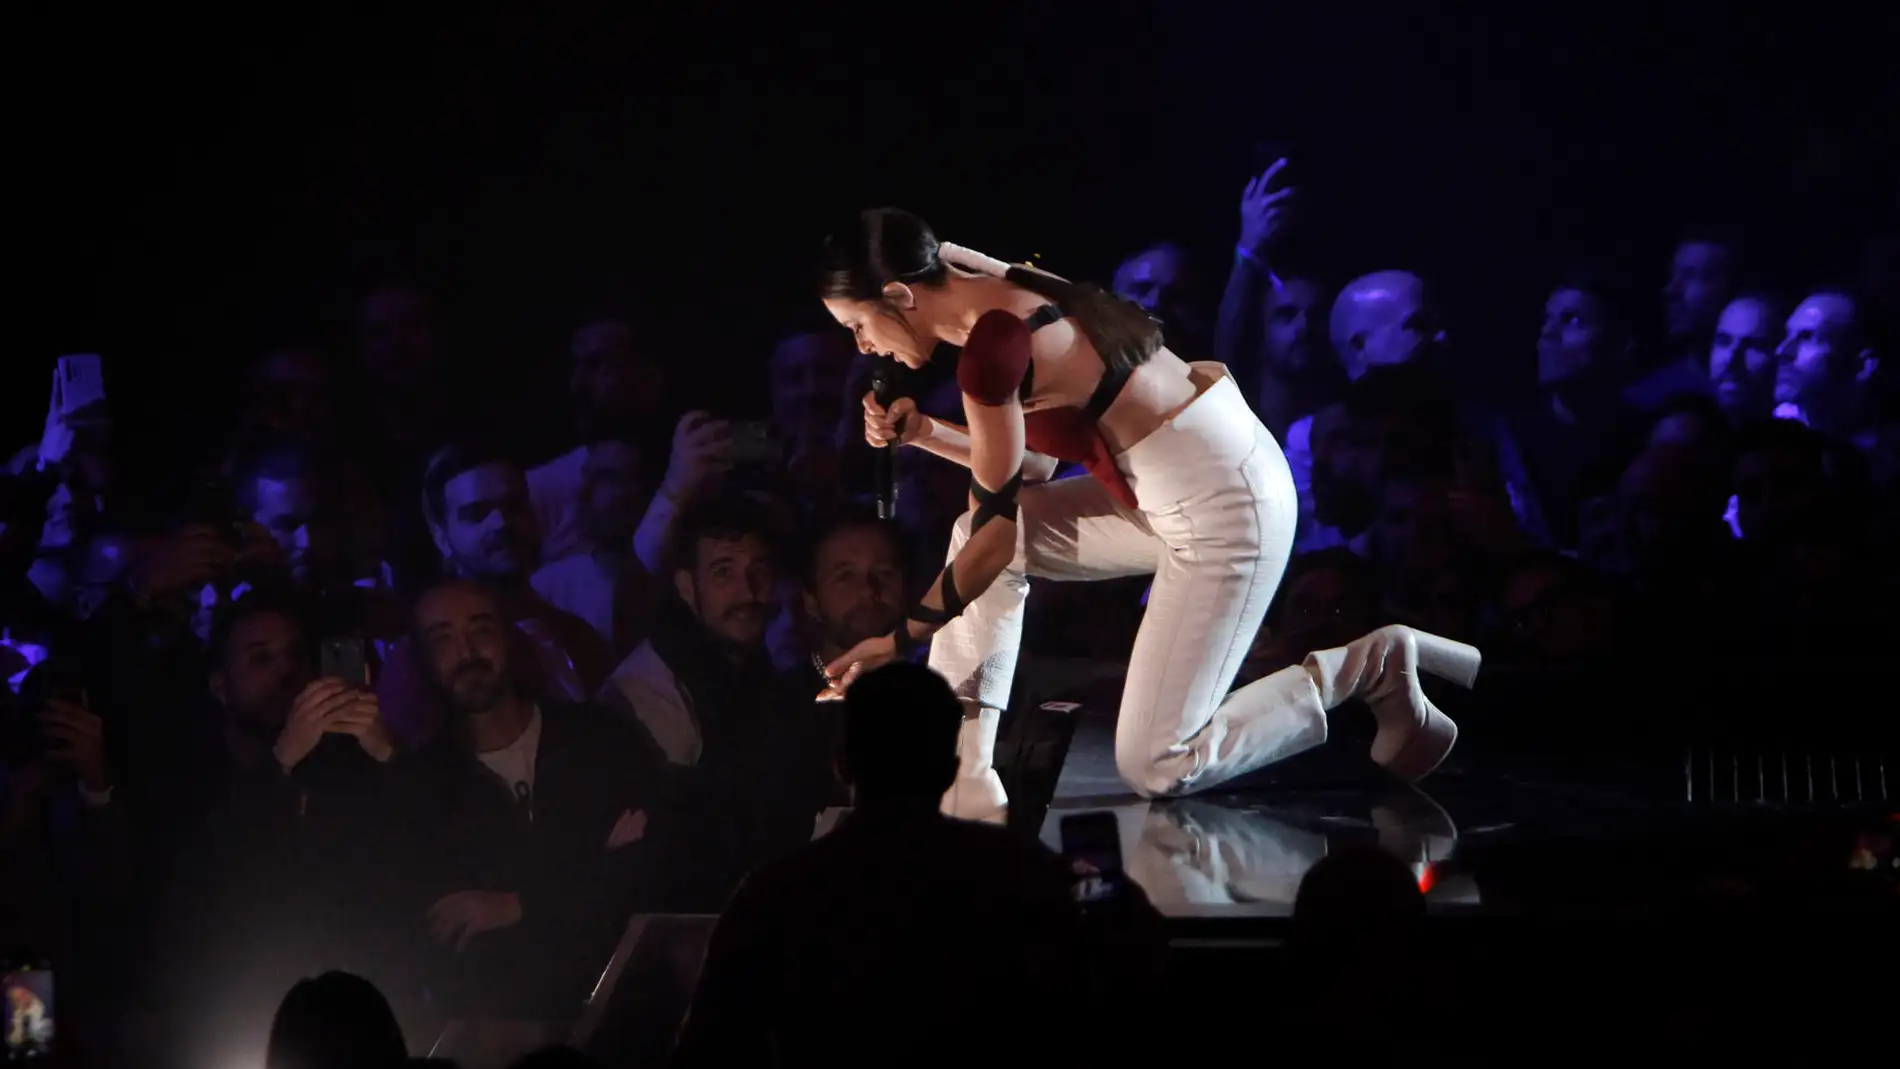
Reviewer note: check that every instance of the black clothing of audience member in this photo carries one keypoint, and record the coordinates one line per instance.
(253, 874)
(749, 798)
(703, 687)
(901, 922)
(551, 848)
(560, 832)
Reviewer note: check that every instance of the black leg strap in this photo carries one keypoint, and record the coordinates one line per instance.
(992, 504)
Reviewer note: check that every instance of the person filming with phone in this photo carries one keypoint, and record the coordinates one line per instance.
(262, 846)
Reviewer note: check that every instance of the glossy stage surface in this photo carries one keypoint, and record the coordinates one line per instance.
(1485, 819)
(1242, 853)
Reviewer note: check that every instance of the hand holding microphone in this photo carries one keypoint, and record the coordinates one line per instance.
(894, 416)
(898, 423)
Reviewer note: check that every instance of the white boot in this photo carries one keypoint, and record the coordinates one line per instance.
(1383, 669)
(978, 792)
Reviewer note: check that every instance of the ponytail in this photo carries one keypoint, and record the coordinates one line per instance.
(1123, 335)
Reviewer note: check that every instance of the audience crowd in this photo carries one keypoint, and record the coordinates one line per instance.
(378, 696)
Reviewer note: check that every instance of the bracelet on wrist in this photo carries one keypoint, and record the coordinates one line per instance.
(1248, 255)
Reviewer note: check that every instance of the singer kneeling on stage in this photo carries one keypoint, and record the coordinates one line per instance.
(1188, 487)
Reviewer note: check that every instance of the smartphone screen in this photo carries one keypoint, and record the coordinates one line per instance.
(345, 659)
(81, 382)
(28, 991)
(755, 443)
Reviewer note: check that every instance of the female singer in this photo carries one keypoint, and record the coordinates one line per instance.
(1188, 486)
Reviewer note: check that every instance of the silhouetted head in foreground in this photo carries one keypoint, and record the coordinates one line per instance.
(336, 1021)
(1357, 886)
(556, 1058)
(900, 736)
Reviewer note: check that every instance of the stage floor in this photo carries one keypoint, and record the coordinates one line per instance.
(1241, 853)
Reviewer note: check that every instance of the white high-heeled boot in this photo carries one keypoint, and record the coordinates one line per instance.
(1383, 669)
(978, 792)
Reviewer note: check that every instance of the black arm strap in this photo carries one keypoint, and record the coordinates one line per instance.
(952, 602)
(992, 504)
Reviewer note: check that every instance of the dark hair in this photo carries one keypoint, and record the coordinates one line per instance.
(255, 603)
(279, 460)
(1414, 395)
(1613, 294)
(727, 517)
(450, 462)
(900, 732)
(335, 1020)
(1722, 235)
(1699, 405)
(856, 520)
(885, 245)
(1788, 434)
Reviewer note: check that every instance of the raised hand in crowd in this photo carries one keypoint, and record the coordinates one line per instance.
(332, 706)
(457, 918)
(1265, 211)
(701, 457)
(76, 741)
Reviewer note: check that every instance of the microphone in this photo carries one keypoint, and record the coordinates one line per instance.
(884, 461)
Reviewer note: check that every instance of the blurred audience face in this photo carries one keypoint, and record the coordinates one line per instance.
(1161, 280)
(1346, 460)
(1292, 310)
(807, 404)
(858, 586)
(487, 528)
(291, 394)
(729, 587)
(1414, 534)
(289, 510)
(1823, 362)
(610, 499)
(1383, 318)
(1781, 494)
(1700, 433)
(1554, 617)
(397, 335)
(1700, 283)
(1578, 339)
(265, 665)
(1742, 362)
(69, 517)
(1321, 605)
(1668, 500)
(614, 383)
(464, 642)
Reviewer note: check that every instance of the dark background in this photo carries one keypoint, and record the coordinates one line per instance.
(200, 187)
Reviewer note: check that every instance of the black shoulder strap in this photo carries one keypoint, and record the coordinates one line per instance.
(1113, 379)
(1042, 317)
(1035, 321)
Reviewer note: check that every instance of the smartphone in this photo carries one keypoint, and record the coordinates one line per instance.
(345, 659)
(755, 443)
(27, 994)
(82, 382)
(1094, 840)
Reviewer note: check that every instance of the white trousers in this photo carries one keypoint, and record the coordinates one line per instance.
(1215, 529)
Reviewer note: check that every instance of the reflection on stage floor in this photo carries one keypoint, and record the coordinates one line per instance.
(1242, 853)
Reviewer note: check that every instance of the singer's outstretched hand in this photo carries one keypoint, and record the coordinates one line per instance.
(859, 659)
(881, 425)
